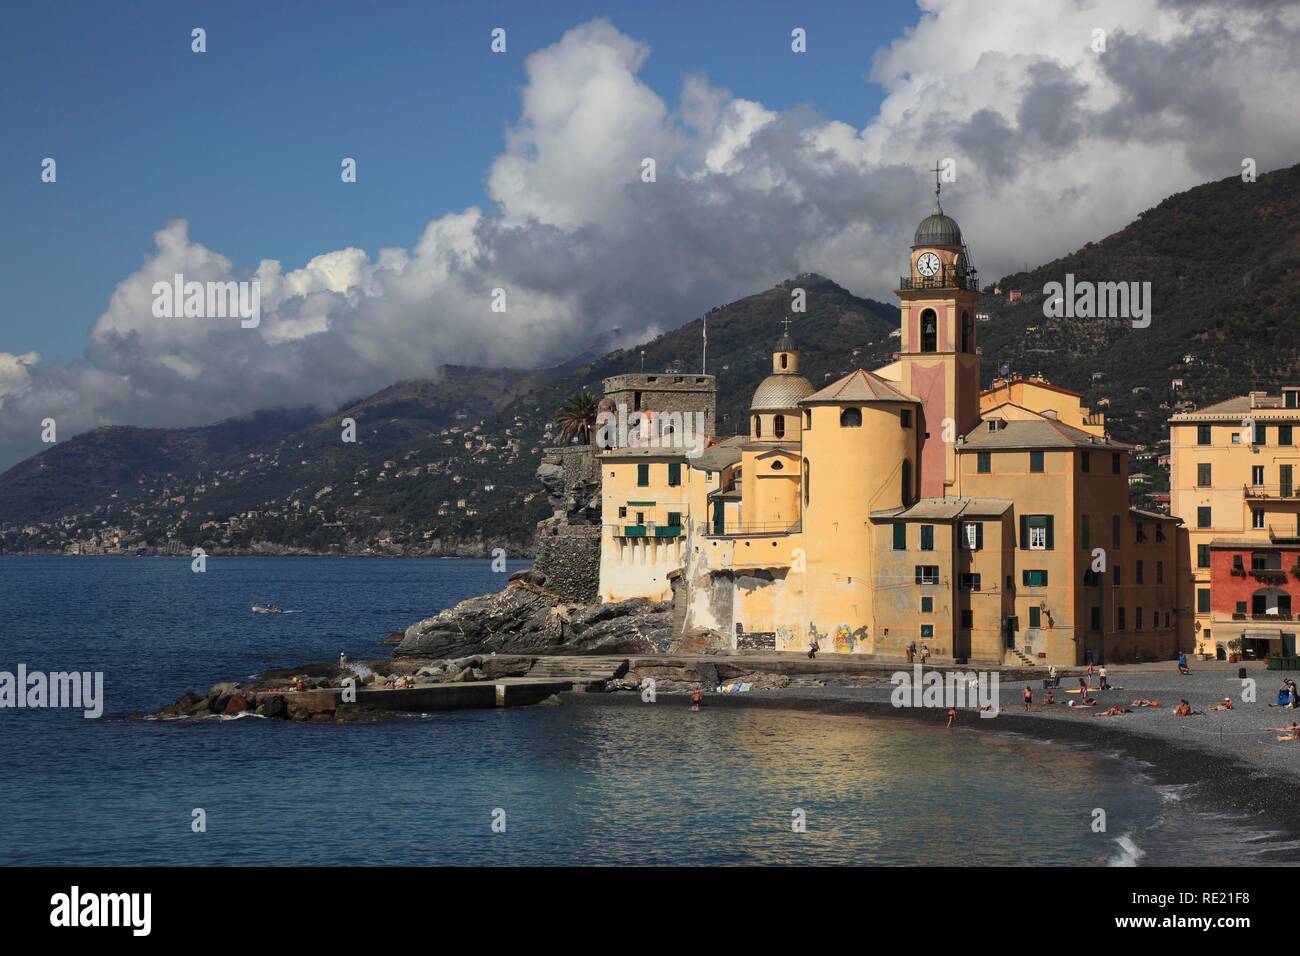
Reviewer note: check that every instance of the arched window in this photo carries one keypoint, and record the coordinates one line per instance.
(807, 418)
(806, 481)
(778, 426)
(758, 426)
(967, 333)
(851, 418)
(777, 466)
(785, 360)
(907, 483)
(929, 331)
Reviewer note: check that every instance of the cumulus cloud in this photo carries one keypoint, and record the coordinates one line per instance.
(1055, 144)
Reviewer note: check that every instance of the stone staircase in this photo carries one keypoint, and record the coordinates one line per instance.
(1016, 656)
(578, 669)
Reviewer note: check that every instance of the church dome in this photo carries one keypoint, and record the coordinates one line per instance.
(780, 393)
(937, 229)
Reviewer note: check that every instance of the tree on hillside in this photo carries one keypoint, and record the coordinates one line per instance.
(577, 417)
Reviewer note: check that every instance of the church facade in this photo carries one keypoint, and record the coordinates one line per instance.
(898, 507)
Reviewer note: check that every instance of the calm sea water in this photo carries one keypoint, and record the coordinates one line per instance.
(602, 785)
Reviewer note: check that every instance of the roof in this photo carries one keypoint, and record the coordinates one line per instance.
(859, 386)
(1005, 384)
(946, 509)
(780, 392)
(719, 456)
(1035, 433)
(937, 229)
(1154, 515)
(643, 451)
(1244, 544)
(790, 447)
(786, 344)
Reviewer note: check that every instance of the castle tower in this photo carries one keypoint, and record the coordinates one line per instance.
(938, 359)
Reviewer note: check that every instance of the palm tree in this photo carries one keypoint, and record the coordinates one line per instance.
(577, 417)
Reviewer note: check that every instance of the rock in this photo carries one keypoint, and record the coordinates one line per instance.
(553, 701)
(394, 638)
(188, 704)
(307, 705)
(225, 687)
(272, 707)
(236, 705)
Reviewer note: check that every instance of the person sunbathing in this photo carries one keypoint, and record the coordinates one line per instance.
(1225, 704)
(1086, 702)
(1145, 703)
(1113, 711)
(1183, 709)
(1292, 732)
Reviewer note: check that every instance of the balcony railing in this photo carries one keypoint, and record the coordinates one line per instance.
(1272, 491)
(651, 531)
(946, 278)
(741, 529)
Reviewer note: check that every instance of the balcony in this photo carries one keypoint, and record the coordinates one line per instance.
(946, 278)
(1278, 492)
(744, 529)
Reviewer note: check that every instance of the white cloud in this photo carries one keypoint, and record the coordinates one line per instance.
(1055, 145)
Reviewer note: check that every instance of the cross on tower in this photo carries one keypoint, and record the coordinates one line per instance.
(786, 323)
(937, 170)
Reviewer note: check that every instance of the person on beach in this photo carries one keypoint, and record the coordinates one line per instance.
(1083, 687)
(1183, 709)
(1105, 682)
(1182, 664)
(813, 648)
(1145, 703)
(1050, 698)
(1113, 711)
(1225, 704)
(1292, 732)
(697, 698)
(1029, 698)
(952, 716)
(1082, 702)
(911, 651)
(1052, 676)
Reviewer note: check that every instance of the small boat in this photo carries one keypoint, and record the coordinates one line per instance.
(266, 609)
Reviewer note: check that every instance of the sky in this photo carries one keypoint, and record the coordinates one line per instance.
(522, 171)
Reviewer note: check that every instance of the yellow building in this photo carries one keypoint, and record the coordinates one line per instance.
(902, 508)
(1232, 480)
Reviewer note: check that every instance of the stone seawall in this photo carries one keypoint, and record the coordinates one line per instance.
(569, 556)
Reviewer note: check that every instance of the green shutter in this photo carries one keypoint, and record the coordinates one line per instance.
(1050, 541)
(643, 476)
(674, 473)
(900, 536)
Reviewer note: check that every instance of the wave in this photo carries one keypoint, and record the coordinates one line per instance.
(1127, 853)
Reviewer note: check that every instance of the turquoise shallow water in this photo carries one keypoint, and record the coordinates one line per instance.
(645, 783)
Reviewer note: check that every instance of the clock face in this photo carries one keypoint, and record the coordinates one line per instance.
(928, 264)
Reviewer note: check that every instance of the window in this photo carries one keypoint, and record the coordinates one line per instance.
(851, 418)
(1137, 618)
(758, 426)
(1241, 607)
(907, 483)
(1284, 434)
(807, 419)
(1203, 473)
(900, 536)
(1116, 575)
(1256, 518)
(1137, 573)
(927, 605)
(1203, 517)
(1114, 531)
(622, 512)
(1261, 435)
(785, 360)
(1203, 600)
(1036, 462)
(636, 401)
(1202, 434)
(983, 462)
(969, 582)
(1085, 534)
(1034, 579)
(1095, 619)
(674, 519)
(640, 517)
(927, 537)
(674, 473)
(929, 331)
(972, 535)
(1119, 619)
(927, 574)
(1256, 475)
(1238, 564)
(778, 426)
(927, 630)
(967, 618)
(1035, 616)
(1202, 555)
(778, 466)
(1115, 466)
(1291, 398)
(1160, 572)
(807, 481)
(1085, 461)
(1036, 532)
(643, 476)
(905, 418)
(1091, 578)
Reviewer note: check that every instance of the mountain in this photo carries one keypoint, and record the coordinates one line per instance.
(446, 466)
(1223, 260)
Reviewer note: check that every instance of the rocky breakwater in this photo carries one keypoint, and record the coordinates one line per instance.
(526, 617)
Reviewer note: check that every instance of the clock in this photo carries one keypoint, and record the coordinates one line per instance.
(927, 264)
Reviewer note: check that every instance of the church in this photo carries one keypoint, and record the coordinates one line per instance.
(895, 509)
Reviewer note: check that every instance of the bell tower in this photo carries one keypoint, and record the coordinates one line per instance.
(938, 359)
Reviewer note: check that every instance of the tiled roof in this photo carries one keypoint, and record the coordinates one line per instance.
(936, 509)
(1035, 433)
(860, 386)
(780, 392)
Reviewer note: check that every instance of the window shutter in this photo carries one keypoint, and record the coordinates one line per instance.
(979, 535)
(1049, 532)
(1024, 531)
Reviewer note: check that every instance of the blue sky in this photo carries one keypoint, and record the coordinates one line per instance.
(245, 140)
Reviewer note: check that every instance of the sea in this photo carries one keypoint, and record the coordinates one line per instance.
(644, 784)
